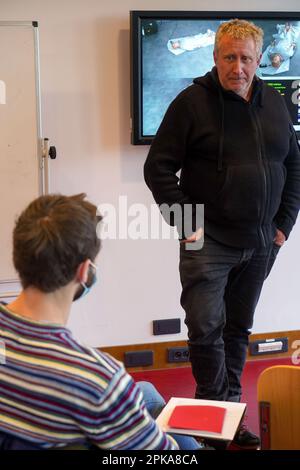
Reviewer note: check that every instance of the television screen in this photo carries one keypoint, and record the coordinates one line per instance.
(170, 49)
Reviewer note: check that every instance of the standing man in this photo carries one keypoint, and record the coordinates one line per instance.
(232, 138)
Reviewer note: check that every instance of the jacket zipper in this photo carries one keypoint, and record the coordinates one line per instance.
(258, 138)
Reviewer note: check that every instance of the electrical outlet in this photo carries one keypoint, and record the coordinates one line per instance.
(180, 354)
(269, 346)
(166, 327)
(138, 358)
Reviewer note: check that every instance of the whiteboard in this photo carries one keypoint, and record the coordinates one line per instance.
(21, 162)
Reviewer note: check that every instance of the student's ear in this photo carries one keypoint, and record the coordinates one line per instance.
(82, 271)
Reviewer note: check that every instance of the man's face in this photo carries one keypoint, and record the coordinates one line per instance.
(236, 61)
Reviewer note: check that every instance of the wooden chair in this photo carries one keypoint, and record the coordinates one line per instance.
(278, 395)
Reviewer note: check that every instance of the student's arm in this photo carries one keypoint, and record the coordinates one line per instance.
(120, 419)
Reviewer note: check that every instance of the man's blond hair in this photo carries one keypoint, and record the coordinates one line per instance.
(240, 29)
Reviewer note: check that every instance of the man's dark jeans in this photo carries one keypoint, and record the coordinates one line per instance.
(221, 287)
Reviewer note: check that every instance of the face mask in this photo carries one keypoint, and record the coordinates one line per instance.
(85, 288)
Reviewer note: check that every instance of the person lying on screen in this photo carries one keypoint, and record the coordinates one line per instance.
(276, 58)
(54, 390)
(189, 43)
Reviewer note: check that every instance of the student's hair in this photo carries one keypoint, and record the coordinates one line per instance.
(52, 236)
(240, 29)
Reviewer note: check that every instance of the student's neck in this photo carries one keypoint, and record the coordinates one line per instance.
(43, 307)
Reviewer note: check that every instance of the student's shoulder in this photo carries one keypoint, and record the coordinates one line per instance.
(108, 372)
(106, 360)
(100, 359)
(92, 365)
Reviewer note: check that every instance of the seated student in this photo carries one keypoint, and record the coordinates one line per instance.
(54, 390)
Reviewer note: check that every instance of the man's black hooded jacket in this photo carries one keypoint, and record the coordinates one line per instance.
(240, 159)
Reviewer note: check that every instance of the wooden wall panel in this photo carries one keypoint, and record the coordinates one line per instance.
(160, 350)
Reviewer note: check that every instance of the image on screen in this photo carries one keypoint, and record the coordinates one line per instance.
(175, 51)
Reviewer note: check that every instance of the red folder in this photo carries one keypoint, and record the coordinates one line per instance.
(198, 417)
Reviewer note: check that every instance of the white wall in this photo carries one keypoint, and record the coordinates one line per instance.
(84, 51)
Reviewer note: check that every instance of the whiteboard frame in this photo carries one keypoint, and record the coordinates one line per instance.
(11, 287)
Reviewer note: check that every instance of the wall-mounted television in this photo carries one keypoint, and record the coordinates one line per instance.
(170, 48)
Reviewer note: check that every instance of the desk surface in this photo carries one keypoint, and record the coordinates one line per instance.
(233, 416)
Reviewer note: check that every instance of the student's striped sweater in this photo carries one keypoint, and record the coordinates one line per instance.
(54, 391)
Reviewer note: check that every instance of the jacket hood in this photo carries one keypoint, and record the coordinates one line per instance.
(211, 81)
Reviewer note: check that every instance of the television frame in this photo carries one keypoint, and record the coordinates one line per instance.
(136, 76)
